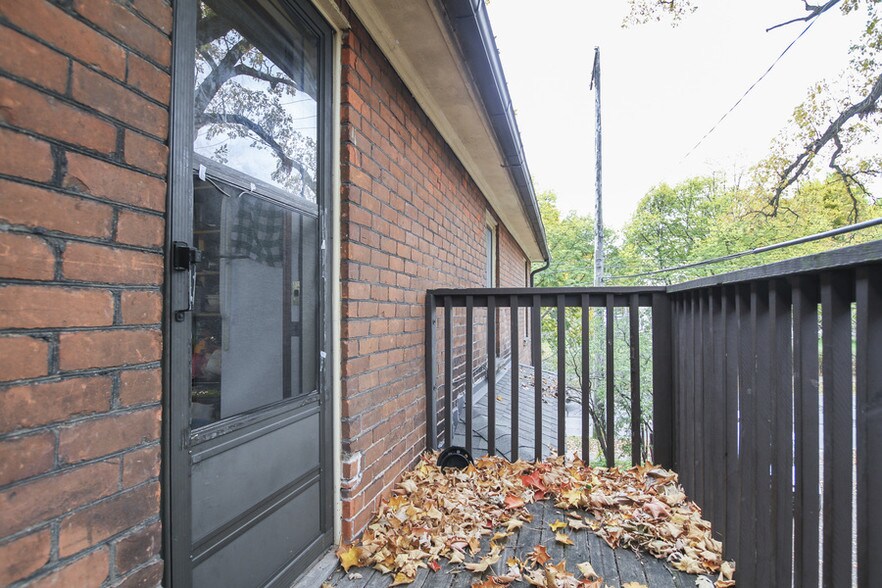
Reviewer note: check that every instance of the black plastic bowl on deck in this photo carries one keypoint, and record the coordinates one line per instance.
(455, 457)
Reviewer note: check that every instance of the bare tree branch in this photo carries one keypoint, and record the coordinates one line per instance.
(245, 70)
(813, 12)
(208, 118)
(221, 74)
(796, 168)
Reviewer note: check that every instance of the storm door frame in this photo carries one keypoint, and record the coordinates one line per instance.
(176, 436)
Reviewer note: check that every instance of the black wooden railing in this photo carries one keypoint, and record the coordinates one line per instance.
(767, 399)
(439, 422)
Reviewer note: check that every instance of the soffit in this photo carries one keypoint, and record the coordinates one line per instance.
(414, 37)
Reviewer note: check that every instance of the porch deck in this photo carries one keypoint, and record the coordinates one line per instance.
(616, 566)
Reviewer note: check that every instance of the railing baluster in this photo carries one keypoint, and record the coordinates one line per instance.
(662, 382)
(807, 506)
(469, 374)
(634, 318)
(448, 372)
(515, 376)
(431, 368)
(536, 342)
(491, 374)
(561, 375)
(837, 378)
(782, 415)
(869, 426)
(586, 387)
(747, 441)
(763, 438)
(610, 385)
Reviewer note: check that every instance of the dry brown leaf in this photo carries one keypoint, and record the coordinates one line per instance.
(512, 502)
(563, 538)
(481, 566)
(540, 554)
(587, 570)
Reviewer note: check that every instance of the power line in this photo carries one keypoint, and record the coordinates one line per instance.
(811, 23)
(831, 233)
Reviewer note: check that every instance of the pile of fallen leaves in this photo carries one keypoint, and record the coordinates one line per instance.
(437, 513)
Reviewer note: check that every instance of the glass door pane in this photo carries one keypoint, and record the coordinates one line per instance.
(254, 325)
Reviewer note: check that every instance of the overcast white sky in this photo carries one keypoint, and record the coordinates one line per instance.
(663, 88)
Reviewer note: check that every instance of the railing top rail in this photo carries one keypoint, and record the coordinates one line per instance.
(845, 257)
(545, 291)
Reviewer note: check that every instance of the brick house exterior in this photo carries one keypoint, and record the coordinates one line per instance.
(85, 129)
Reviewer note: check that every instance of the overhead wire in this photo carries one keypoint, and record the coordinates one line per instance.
(716, 125)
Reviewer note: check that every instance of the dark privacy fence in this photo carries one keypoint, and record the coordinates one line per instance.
(767, 399)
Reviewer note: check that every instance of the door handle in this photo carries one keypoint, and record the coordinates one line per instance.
(184, 259)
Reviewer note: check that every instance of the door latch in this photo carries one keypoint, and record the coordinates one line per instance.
(184, 259)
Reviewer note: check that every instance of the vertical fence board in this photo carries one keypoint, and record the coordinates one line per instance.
(747, 442)
(869, 426)
(683, 431)
(708, 392)
(491, 375)
(636, 417)
(732, 471)
(837, 380)
(662, 382)
(586, 384)
(515, 376)
(807, 505)
(561, 375)
(782, 460)
(718, 414)
(762, 331)
(431, 368)
(536, 343)
(469, 371)
(610, 384)
(448, 371)
(689, 398)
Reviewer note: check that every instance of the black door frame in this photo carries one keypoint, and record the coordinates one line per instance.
(176, 491)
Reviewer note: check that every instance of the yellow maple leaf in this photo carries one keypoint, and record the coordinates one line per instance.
(557, 525)
(633, 585)
(401, 578)
(349, 555)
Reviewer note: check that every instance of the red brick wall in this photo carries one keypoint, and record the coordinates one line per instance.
(84, 90)
(412, 219)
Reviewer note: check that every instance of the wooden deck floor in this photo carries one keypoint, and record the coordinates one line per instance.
(616, 566)
(527, 420)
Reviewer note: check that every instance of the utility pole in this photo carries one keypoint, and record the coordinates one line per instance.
(598, 179)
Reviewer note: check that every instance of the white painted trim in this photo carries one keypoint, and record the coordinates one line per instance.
(333, 15)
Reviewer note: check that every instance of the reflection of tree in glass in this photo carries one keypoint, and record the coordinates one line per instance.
(241, 94)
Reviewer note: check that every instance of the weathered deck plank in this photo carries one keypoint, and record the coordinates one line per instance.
(617, 566)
